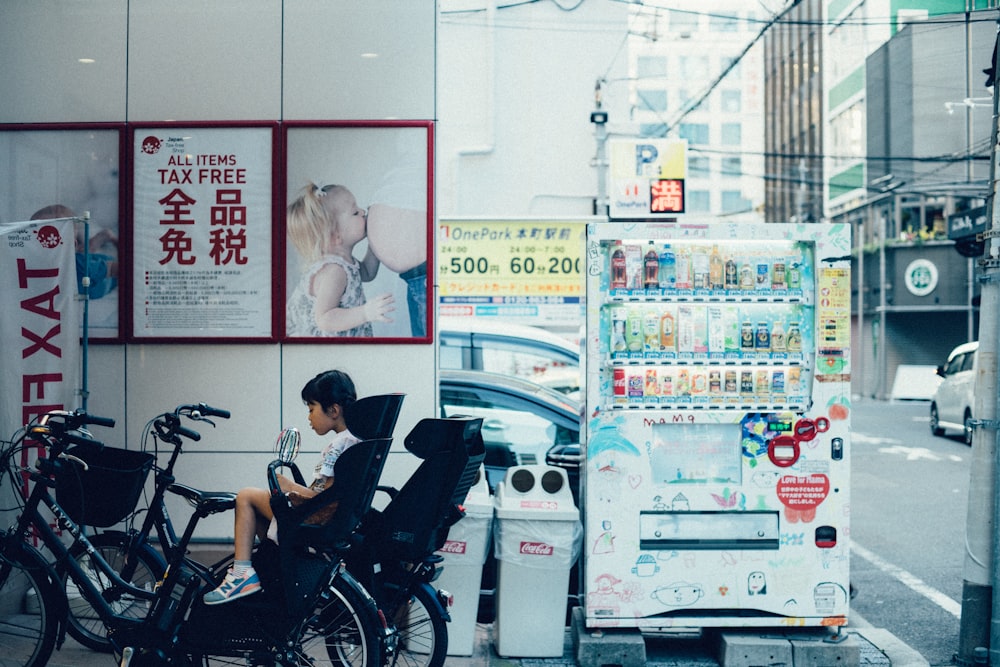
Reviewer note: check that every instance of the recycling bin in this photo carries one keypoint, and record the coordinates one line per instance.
(464, 553)
(536, 537)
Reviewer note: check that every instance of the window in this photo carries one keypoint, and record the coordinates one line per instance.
(732, 166)
(652, 100)
(695, 133)
(969, 362)
(697, 201)
(693, 67)
(517, 429)
(683, 21)
(733, 202)
(732, 101)
(721, 23)
(732, 134)
(650, 67)
(699, 167)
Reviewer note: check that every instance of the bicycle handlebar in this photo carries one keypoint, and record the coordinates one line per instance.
(200, 411)
(188, 433)
(168, 425)
(58, 429)
(71, 420)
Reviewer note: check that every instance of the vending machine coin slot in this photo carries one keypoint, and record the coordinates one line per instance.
(826, 537)
(783, 450)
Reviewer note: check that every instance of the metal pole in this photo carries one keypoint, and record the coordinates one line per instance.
(599, 118)
(987, 436)
(980, 608)
(861, 307)
(85, 296)
(882, 355)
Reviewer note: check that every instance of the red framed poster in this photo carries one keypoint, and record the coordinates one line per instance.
(202, 232)
(52, 171)
(358, 231)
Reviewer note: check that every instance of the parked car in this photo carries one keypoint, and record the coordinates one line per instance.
(951, 406)
(510, 349)
(523, 423)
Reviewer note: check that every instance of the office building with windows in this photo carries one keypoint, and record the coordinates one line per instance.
(697, 75)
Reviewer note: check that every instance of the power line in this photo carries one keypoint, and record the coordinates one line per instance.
(732, 64)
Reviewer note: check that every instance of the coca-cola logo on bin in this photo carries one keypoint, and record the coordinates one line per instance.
(536, 549)
(452, 547)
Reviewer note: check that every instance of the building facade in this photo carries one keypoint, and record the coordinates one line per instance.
(793, 136)
(926, 137)
(698, 75)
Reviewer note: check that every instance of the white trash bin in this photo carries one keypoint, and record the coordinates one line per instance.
(536, 536)
(464, 554)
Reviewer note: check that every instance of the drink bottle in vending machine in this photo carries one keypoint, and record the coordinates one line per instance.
(717, 474)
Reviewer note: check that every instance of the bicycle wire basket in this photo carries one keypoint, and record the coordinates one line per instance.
(107, 489)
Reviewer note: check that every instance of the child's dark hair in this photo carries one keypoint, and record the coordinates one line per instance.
(330, 387)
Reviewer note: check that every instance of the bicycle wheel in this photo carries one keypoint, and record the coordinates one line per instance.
(27, 632)
(347, 626)
(85, 625)
(421, 632)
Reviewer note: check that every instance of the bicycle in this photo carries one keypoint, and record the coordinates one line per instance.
(312, 612)
(394, 551)
(130, 552)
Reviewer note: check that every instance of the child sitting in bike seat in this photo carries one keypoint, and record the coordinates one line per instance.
(326, 396)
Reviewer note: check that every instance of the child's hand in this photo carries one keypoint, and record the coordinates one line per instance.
(378, 308)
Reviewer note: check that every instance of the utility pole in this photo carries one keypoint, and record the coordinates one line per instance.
(979, 627)
(800, 196)
(599, 118)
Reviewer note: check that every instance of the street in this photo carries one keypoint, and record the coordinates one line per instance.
(908, 516)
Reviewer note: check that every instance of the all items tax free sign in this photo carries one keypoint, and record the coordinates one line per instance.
(202, 232)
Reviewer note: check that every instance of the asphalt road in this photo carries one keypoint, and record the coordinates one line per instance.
(909, 500)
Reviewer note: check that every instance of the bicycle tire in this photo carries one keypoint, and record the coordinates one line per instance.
(344, 631)
(27, 628)
(350, 623)
(421, 631)
(85, 626)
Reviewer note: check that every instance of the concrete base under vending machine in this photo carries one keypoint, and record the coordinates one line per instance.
(606, 646)
(737, 647)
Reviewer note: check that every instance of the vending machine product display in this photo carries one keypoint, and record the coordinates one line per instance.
(718, 403)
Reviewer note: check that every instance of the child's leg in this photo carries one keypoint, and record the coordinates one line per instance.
(253, 513)
(253, 510)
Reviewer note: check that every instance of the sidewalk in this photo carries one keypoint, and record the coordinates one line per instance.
(876, 648)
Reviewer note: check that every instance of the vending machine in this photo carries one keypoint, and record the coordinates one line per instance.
(718, 401)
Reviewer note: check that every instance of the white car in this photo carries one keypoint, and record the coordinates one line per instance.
(522, 351)
(951, 406)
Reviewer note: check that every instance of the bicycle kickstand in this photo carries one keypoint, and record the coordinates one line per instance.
(126, 656)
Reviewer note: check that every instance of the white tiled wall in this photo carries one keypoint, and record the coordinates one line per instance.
(225, 60)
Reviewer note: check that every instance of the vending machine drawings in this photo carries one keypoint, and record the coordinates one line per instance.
(718, 401)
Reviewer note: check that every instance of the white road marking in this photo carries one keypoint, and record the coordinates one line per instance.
(863, 439)
(911, 453)
(911, 581)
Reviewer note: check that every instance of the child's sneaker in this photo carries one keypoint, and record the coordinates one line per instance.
(233, 588)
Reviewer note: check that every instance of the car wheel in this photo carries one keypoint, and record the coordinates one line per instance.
(935, 421)
(968, 427)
